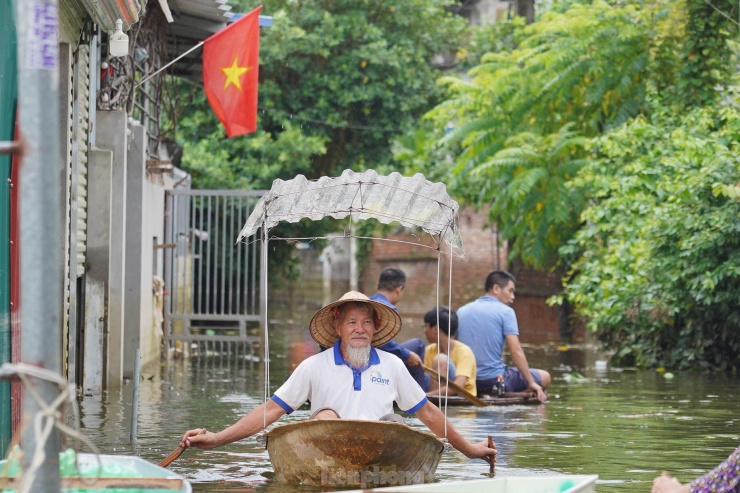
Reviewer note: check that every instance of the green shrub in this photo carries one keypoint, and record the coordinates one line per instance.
(658, 275)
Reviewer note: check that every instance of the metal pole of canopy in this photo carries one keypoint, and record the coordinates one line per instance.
(264, 318)
(352, 256)
(40, 224)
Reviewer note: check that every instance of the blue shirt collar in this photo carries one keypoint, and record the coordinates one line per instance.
(356, 372)
(339, 359)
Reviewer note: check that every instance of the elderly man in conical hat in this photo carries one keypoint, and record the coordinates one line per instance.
(351, 380)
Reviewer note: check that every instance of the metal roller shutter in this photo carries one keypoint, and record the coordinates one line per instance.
(75, 86)
(82, 134)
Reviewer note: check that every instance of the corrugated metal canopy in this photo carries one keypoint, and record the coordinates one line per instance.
(106, 12)
(194, 21)
(411, 201)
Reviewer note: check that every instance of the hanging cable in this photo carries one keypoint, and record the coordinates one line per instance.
(439, 350)
(449, 314)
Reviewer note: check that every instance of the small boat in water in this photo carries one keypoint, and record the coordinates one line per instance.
(340, 453)
(102, 473)
(508, 399)
(532, 484)
(350, 452)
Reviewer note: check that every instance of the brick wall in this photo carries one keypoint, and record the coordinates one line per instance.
(484, 252)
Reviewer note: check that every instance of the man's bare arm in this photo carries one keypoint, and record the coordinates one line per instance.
(414, 359)
(431, 416)
(256, 420)
(520, 361)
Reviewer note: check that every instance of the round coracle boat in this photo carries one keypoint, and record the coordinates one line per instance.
(349, 452)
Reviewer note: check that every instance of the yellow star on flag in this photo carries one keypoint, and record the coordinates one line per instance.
(233, 74)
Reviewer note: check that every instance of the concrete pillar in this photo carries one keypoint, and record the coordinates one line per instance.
(112, 135)
(137, 256)
(151, 265)
(97, 268)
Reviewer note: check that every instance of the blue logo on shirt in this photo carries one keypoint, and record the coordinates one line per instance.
(376, 377)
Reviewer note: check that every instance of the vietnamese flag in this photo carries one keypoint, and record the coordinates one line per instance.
(230, 73)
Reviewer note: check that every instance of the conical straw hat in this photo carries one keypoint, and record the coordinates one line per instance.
(322, 328)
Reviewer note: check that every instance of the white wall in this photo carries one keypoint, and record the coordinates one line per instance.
(152, 264)
(487, 11)
(145, 227)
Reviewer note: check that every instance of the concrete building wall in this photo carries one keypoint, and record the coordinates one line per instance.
(126, 222)
(97, 268)
(135, 252)
(323, 276)
(152, 264)
(112, 135)
(112, 288)
(144, 230)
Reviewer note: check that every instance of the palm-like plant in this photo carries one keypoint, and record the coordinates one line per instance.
(531, 201)
(520, 115)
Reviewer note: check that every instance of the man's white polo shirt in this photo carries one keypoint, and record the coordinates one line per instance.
(328, 381)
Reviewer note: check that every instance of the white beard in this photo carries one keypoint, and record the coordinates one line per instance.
(357, 356)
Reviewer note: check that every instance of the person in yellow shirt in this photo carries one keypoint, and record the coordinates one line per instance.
(445, 354)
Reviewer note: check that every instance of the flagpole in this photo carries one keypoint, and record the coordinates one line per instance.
(170, 63)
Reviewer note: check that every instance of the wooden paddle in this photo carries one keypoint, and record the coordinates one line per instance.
(176, 453)
(470, 397)
(492, 468)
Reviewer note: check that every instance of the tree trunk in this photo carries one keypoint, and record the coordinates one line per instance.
(524, 8)
(565, 321)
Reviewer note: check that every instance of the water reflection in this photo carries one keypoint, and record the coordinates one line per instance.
(625, 426)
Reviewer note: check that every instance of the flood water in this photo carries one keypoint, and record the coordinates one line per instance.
(624, 425)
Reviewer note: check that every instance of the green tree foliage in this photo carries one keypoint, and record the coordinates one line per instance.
(526, 184)
(216, 162)
(361, 68)
(586, 67)
(520, 116)
(658, 273)
(338, 80)
(500, 36)
(604, 127)
(706, 53)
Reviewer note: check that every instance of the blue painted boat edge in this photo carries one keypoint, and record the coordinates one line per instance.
(144, 468)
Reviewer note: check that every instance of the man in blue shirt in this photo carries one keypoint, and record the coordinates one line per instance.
(484, 325)
(391, 284)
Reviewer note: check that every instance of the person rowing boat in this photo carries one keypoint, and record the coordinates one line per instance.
(351, 380)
